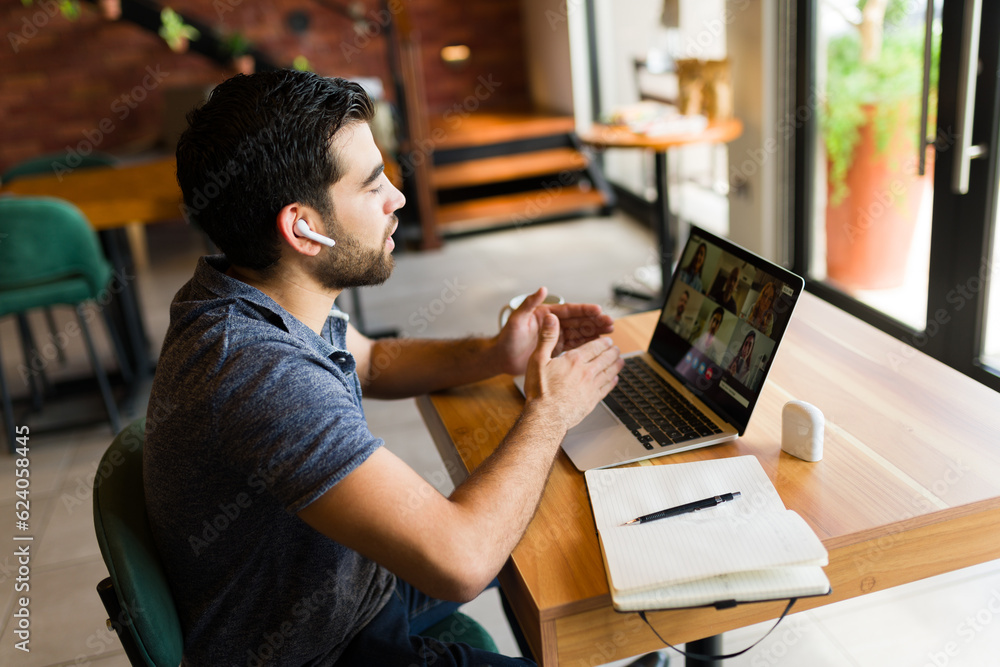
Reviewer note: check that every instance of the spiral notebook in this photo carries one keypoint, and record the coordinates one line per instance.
(749, 550)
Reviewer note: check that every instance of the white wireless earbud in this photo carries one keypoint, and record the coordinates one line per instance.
(302, 227)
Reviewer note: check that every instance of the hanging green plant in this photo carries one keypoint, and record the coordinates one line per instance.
(68, 8)
(235, 44)
(175, 32)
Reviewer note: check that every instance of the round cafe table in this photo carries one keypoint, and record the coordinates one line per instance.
(620, 136)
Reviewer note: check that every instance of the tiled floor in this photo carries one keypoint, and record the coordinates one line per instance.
(952, 620)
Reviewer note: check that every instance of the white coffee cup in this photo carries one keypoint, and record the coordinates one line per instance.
(515, 303)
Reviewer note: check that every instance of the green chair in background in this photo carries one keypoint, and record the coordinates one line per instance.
(56, 164)
(49, 256)
(137, 596)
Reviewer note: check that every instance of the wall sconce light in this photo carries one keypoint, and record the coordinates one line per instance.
(455, 55)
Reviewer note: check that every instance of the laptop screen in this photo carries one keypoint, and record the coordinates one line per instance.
(725, 314)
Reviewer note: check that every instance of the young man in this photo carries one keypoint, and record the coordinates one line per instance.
(288, 533)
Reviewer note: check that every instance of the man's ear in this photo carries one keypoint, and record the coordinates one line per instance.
(286, 221)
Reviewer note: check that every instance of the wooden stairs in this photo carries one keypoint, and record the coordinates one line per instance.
(493, 169)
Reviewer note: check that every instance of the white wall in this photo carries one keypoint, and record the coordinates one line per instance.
(746, 31)
(755, 158)
(547, 46)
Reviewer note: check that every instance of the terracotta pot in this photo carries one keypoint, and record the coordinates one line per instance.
(179, 44)
(245, 64)
(870, 231)
(110, 9)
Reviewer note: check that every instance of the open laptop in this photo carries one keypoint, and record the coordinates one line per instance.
(725, 314)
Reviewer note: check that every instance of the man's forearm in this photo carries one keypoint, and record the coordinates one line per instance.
(402, 367)
(501, 496)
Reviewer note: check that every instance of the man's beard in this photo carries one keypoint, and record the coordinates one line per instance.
(349, 264)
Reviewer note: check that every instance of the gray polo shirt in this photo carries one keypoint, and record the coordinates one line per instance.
(252, 417)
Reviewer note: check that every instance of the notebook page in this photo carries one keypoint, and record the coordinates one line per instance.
(752, 532)
(618, 495)
(669, 551)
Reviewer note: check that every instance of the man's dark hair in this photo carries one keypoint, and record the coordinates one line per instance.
(259, 143)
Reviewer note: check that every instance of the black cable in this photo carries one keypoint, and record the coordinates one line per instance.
(699, 656)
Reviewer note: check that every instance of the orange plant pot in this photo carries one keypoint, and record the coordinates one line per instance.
(870, 231)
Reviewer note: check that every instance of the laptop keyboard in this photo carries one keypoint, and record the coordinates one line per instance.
(655, 412)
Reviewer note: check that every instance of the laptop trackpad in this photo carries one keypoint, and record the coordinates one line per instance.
(599, 419)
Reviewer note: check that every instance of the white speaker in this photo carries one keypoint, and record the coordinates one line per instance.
(802, 426)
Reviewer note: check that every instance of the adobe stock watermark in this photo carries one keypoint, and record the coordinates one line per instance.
(269, 645)
(754, 159)
(423, 149)
(778, 647)
(894, 194)
(81, 494)
(554, 18)
(31, 25)
(958, 297)
(387, 350)
(229, 513)
(953, 473)
(371, 26)
(713, 30)
(536, 206)
(104, 639)
(215, 183)
(985, 619)
(121, 108)
(44, 354)
(420, 319)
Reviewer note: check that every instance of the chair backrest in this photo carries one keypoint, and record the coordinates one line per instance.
(129, 551)
(44, 239)
(57, 163)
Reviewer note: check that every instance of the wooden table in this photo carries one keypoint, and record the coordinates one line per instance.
(620, 136)
(909, 485)
(113, 198)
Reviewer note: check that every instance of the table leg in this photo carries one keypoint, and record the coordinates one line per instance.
(124, 305)
(663, 224)
(665, 233)
(707, 646)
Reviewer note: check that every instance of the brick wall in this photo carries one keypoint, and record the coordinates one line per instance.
(97, 84)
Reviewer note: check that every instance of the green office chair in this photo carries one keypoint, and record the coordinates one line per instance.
(136, 595)
(49, 255)
(53, 163)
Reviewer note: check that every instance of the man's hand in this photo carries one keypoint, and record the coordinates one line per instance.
(578, 325)
(453, 547)
(570, 385)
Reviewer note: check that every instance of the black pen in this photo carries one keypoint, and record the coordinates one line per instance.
(687, 507)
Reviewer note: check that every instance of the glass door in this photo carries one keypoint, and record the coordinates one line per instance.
(991, 339)
(876, 74)
(896, 176)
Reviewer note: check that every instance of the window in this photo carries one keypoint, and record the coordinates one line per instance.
(908, 251)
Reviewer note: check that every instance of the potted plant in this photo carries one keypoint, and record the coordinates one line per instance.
(175, 32)
(110, 9)
(869, 128)
(236, 47)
